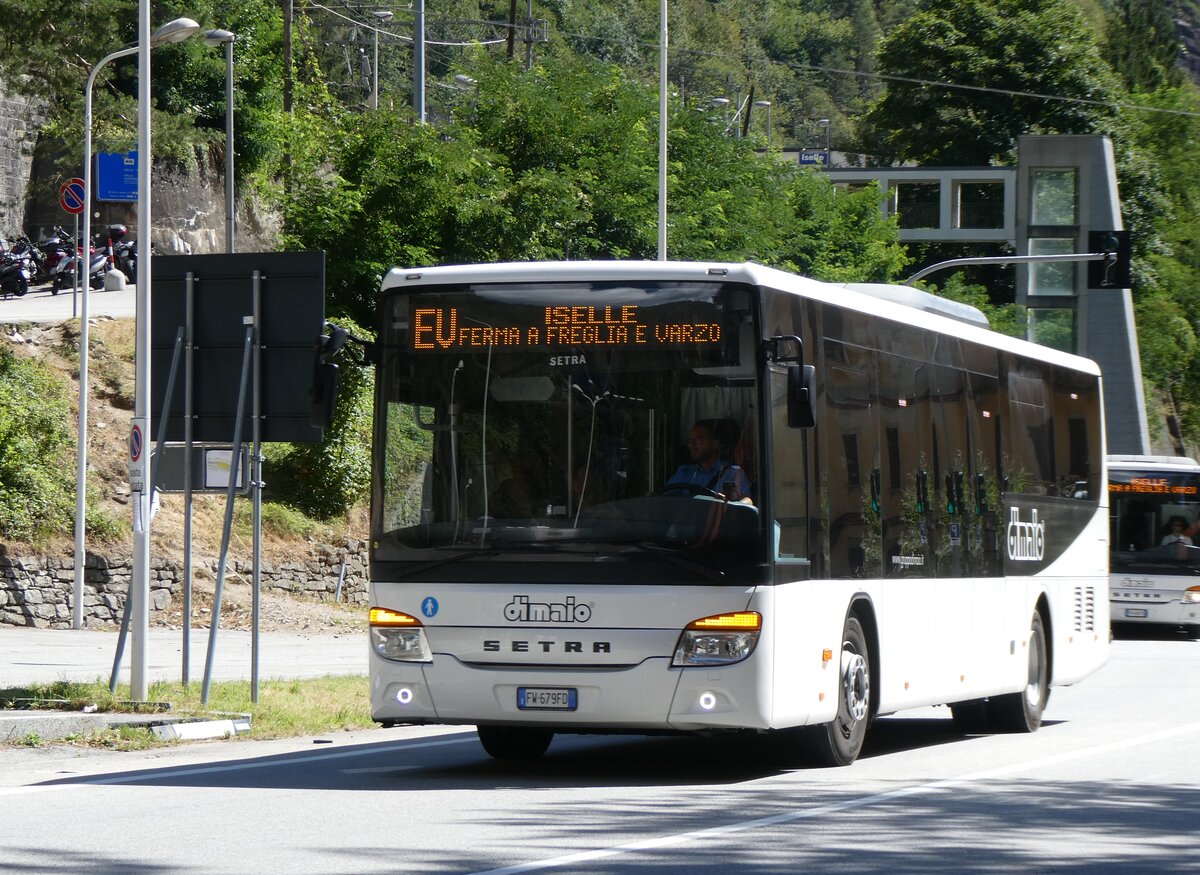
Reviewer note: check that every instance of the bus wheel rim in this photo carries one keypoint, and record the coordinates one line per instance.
(856, 685)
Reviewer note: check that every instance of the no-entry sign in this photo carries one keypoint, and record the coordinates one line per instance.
(71, 196)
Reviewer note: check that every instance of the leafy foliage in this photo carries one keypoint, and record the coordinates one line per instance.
(1016, 48)
(326, 479)
(561, 162)
(36, 487)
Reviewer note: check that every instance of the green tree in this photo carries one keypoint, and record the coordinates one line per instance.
(1141, 43)
(1009, 48)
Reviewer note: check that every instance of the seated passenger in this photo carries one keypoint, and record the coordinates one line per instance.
(708, 469)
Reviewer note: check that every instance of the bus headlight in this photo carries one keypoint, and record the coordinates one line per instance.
(398, 636)
(718, 640)
(1191, 595)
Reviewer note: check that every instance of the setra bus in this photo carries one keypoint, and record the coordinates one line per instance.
(895, 507)
(1154, 525)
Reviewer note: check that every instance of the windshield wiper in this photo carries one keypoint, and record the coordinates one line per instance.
(675, 559)
(446, 560)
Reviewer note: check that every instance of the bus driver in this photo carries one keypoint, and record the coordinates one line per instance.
(708, 469)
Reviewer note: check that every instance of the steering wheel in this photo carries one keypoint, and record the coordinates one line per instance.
(691, 489)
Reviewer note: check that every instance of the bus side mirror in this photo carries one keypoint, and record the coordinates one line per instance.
(322, 394)
(802, 396)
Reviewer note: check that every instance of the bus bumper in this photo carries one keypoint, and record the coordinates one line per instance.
(651, 696)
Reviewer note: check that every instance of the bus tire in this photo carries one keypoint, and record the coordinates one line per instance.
(839, 742)
(1022, 712)
(514, 742)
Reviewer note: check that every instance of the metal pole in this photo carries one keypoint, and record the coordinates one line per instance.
(662, 132)
(188, 372)
(529, 34)
(230, 215)
(419, 61)
(256, 484)
(162, 428)
(234, 465)
(140, 500)
(75, 271)
(375, 74)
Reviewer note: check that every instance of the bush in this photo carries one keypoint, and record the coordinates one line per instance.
(326, 479)
(37, 489)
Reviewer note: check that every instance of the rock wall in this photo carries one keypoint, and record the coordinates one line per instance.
(38, 591)
(20, 119)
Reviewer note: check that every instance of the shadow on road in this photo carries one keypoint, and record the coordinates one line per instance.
(457, 761)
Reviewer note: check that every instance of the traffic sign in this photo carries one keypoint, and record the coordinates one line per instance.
(135, 442)
(117, 176)
(72, 195)
(137, 482)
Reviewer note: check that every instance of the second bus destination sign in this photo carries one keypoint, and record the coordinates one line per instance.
(445, 329)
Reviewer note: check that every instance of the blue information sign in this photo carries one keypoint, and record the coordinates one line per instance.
(116, 176)
(818, 157)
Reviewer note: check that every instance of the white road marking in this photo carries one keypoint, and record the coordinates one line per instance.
(849, 804)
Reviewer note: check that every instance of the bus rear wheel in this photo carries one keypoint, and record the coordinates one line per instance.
(839, 742)
(514, 742)
(1022, 712)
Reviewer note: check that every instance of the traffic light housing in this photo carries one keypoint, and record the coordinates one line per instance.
(1113, 271)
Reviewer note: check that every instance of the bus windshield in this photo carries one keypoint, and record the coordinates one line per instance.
(578, 422)
(1154, 521)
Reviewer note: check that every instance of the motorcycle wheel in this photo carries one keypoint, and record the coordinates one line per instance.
(22, 286)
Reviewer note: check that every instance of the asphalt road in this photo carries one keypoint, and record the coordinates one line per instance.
(39, 305)
(1111, 783)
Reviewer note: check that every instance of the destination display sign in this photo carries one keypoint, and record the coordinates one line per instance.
(446, 328)
(1155, 486)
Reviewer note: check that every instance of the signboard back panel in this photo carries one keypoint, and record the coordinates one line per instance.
(292, 318)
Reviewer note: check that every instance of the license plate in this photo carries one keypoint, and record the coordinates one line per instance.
(547, 699)
(1136, 612)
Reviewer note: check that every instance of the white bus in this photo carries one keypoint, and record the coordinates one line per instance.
(1154, 524)
(903, 508)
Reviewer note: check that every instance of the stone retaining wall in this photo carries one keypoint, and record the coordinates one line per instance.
(38, 591)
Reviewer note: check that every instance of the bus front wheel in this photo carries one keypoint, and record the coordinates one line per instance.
(839, 742)
(514, 743)
(1022, 711)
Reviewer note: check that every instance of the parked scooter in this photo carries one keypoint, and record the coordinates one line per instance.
(123, 252)
(54, 248)
(62, 275)
(14, 274)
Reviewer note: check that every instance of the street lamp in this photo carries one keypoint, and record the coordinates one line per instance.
(766, 104)
(824, 123)
(172, 32)
(384, 16)
(214, 38)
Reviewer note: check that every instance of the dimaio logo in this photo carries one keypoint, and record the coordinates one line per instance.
(1026, 540)
(522, 610)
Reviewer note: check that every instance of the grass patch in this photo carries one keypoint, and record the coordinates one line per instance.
(285, 709)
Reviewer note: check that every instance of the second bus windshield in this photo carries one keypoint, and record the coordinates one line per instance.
(573, 418)
(1155, 521)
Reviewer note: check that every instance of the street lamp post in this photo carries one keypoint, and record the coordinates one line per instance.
(766, 104)
(215, 38)
(418, 98)
(384, 16)
(172, 32)
(824, 123)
